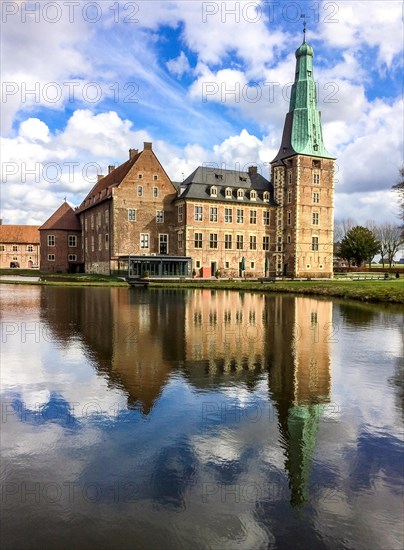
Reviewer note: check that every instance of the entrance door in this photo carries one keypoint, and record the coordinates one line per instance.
(213, 269)
(163, 244)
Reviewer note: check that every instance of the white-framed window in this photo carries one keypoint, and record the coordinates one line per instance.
(266, 196)
(2, 248)
(140, 190)
(316, 197)
(228, 215)
(198, 213)
(155, 190)
(198, 240)
(160, 216)
(316, 178)
(314, 243)
(155, 178)
(131, 214)
(163, 243)
(213, 240)
(180, 239)
(72, 239)
(265, 217)
(51, 240)
(239, 242)
(228, 241)
(213, 191)
(316, 218)
(15, 258)
(240, 215)
(253, 242)
(253, 216)
(140, 176)
(144, 240)
(72, 257)
(198, 264)
(240, 194)
(252, 265)
(228, 193)
(253, 195)
(265, 242)
(180, 212)
(30, 248)
(213, 214)
(51, 257)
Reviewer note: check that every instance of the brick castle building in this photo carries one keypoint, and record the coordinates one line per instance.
(216, 220)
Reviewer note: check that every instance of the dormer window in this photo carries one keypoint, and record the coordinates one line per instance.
(213, 191)
(228, 193)
(242, 178)
(315, 147)
(253, 195)
(266, 196)
(240, 194)
(219, 176)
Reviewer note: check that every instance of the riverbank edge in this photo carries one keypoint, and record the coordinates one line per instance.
(390, 292)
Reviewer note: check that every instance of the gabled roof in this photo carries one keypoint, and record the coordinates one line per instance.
(198, 185)
(19, 234)
(64, 218)
(102, 189)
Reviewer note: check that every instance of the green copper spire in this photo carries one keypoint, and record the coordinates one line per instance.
(302, 133)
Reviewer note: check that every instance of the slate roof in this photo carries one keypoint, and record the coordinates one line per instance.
(17, 234)
(198, 185)
(64, 218)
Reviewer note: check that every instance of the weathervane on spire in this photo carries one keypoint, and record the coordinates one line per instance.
(303, 16)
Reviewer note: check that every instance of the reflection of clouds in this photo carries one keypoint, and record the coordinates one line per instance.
(224, 447)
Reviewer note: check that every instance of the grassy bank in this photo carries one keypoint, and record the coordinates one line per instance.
(387, 291)
(63, 279)
(390, 291)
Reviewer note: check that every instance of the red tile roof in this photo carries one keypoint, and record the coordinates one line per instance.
(102, 189)
(63, 218)
(19, 234)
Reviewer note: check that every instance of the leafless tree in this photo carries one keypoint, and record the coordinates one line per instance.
(390, 237)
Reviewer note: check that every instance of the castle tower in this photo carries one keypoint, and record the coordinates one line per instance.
(302, 175)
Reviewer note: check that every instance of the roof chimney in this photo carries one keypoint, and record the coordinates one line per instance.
(99, 177)
(110, 168)
(133, 153)
(252, 170)
(147, 145)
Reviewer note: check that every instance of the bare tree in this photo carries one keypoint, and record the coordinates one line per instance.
(391, 238)
(398, 188)
(341, 228)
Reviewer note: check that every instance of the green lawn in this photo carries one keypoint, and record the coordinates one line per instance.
(388, 291)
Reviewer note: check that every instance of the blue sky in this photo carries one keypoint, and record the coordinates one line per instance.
(205, 82)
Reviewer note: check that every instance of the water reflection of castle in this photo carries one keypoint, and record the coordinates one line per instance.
(138, 339)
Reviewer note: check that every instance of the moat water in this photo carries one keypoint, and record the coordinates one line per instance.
(168, 419)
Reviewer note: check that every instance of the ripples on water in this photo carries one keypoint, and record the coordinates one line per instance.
(168, 419)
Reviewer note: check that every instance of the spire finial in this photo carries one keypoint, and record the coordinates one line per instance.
(303, 16)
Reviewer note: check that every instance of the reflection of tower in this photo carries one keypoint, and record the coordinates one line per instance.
(299, 330)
